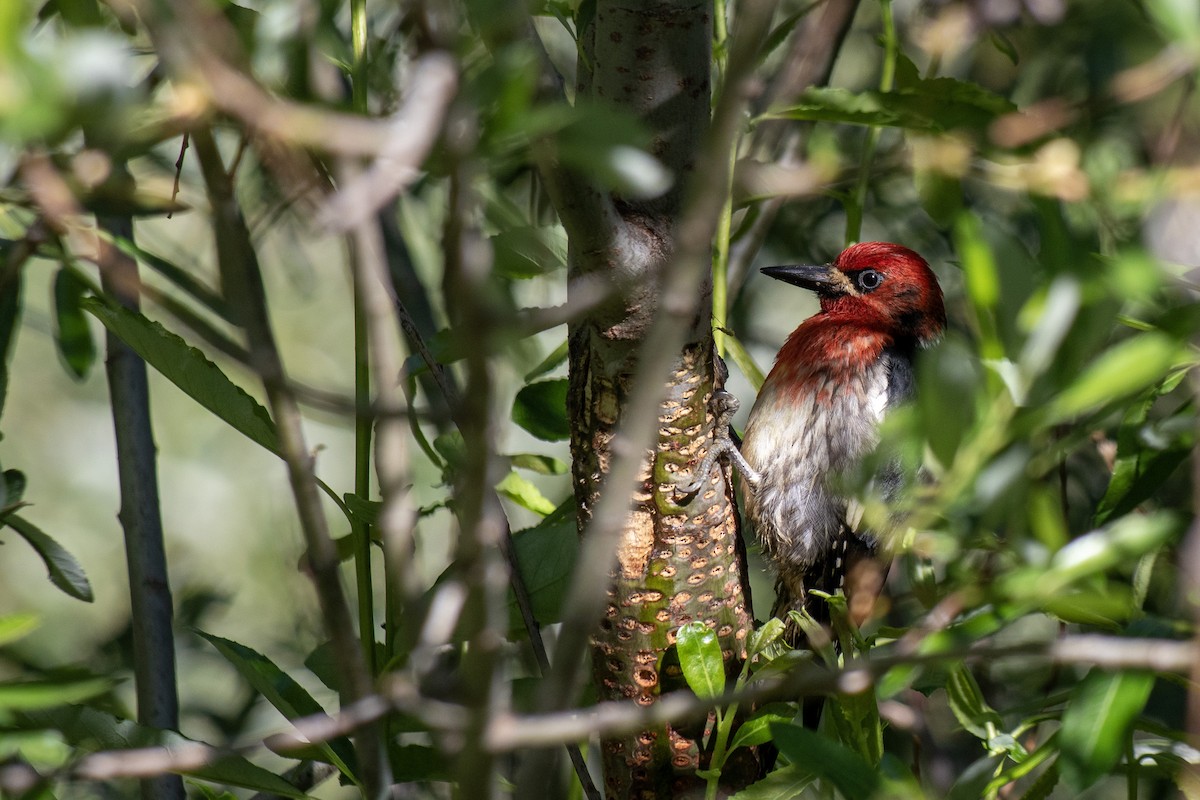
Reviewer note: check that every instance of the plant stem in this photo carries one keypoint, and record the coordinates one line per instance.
(887, 79)
(720, 289)
(362, 380)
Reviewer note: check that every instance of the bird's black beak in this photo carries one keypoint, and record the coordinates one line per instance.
(824, 279)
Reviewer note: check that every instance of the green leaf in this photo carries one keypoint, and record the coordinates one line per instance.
(542, 465)
(363, 510)
(932, 105)
(550, 363)
(12, 489)
(1124, 368)
(188, 368)
(1096, 723)
(1141, 468)
(29, 695)
(522, 492)
(541, 409)
(745, 362)
(757, 729)
(10, 315)
(846, 770)
(701, 660)
(968, 705)
(526, 252)
(759, 640)
(785, 783)
(285, 694)
(73, 336)
(546, 554)
(17, 626)
(65, 572)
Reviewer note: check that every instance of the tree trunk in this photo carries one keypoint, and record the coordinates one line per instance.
(679, 558)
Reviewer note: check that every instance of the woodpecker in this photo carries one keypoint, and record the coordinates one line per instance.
(819, 409)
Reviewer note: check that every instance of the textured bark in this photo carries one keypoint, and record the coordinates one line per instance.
(679, 558)
(676, 564)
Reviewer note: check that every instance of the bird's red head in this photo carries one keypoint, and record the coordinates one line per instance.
(877, 284)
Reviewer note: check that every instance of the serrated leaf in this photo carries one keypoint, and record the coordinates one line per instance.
(700, 658)
(73, 337)
(1096, 723)
(541, 409)
(825, 758)
(64, 571)
(284, 693)
(189, 369)
(521, 491)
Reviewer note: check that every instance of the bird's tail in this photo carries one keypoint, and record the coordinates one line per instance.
(848, 565)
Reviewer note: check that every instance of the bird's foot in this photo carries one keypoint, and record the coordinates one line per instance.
(724, 405)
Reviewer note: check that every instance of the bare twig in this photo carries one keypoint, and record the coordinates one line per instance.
(508, 732)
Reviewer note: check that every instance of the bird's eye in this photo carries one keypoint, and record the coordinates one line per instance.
(869, 279)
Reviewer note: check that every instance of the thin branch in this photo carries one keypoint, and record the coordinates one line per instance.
(509, 733)
(242, 284)
(145, 553)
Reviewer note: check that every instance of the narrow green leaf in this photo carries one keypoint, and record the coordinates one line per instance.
(1096, 723)
(28, 695)
(745, 362)
(10, 315)
(284, 693)
(17, 626)
(189, 369)
(363, 510)
(825, 758)
(968, 705)
(700, 658)
(557, 357)
(542, 465)
(72, 334)
(764, 637)
(521, 491)
(65, 572)
(541, 409)
(1124, 368)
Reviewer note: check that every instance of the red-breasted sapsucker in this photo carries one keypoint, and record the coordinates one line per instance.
(818, 412)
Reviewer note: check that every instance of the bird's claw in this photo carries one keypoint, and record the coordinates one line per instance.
(724, 405)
